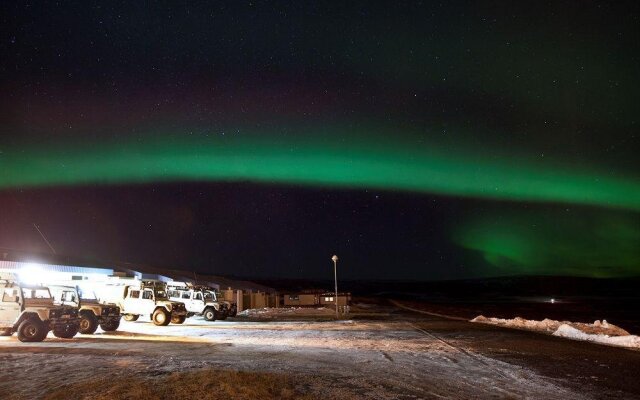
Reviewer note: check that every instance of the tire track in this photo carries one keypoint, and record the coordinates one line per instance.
(461, 350)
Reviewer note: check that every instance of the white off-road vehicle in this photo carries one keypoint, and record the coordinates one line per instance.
(147, 298)
(198, 300)
(230, 308)
(30, 311)
(92, 313)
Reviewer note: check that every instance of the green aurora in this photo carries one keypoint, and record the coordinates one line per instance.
(342, 159)
(582, 242)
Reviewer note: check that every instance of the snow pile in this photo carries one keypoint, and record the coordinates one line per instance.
(546, 325)
(599, 331)
(568, 331)
(275, 312)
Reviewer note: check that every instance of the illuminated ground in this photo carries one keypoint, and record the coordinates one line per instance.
(397, 355)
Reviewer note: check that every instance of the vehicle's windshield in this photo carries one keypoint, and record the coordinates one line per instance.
(69, 296)
(36, 293)
(160, 294)
(210, 295)
(88, 295)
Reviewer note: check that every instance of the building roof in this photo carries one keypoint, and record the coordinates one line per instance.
(62, 263)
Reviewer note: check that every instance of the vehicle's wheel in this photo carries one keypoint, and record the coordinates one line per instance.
(161, 317)
(178, 319)
(66, 332)
(88, 323)
(209, 314)
(131, 317)
(110, 325)
(32, 330)
(6, 332)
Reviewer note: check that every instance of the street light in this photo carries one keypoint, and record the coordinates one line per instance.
(335, 277)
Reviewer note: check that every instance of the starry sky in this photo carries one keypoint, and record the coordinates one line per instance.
(421, 141)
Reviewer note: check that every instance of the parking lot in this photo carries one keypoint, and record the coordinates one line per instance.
(397, 356)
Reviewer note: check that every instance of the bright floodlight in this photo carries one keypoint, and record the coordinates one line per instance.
(32, 274)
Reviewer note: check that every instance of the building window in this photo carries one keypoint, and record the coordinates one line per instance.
(294, 297)
(328, 299)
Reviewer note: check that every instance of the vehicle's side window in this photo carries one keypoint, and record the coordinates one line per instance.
(68, 296)
(10, 295)
(198, 296)
(186, 295)
(134, 294)
(147, 294)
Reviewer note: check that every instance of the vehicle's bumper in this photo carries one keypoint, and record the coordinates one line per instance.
(108, 318)
(179, 312)
(63, 323)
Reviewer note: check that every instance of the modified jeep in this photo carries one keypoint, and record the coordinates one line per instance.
(148, 298)
(92, 313)
(198, 300)
(231, 308)
(31, 312)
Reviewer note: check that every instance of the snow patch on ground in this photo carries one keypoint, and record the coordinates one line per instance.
(275, 312)
(599, 331)
(568, 331)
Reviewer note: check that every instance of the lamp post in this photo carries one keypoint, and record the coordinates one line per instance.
(335, 277)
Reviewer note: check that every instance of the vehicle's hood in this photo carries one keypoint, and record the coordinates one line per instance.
(40, 303)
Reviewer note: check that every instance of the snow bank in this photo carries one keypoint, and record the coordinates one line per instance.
(546, 325)
(274, 312)
(568, 331)
(599, 331)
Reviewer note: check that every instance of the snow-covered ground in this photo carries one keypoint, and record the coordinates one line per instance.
(288, 311)
(598, 332)
(333, 359)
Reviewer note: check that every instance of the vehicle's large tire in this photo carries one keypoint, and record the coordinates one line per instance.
(131, 317)
(209, 314)
(178, 319)
(32, 330)
(161, 317)
(67, 332)
(88, 322)
(110, 325)
(6, 332)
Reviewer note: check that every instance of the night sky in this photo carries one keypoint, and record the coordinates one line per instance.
(416, 140)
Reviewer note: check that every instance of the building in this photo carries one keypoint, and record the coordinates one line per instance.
(315, 299)
(40, 269)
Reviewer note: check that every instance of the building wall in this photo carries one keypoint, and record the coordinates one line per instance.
(301, 300)
(329, 299)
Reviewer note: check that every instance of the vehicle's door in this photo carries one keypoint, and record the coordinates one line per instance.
(10, 306)
(147, 303)
(186, 299)
(198, 302)
(132, 302)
